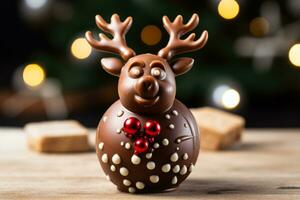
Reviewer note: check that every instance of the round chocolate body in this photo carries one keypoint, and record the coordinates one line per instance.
(169, 160)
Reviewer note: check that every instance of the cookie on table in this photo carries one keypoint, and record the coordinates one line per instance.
(57, 136)
(218, 129)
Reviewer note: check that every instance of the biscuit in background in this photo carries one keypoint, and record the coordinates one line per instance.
(218, 129)
(57, 136)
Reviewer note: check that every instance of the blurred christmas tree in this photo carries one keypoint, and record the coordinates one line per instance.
(248, 54)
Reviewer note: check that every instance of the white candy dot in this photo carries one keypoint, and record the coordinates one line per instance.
(120, 113)
(171, 126)
(154, 179)
(166, 168)
(177, 148)
(127, 146)
(174, 180)
(191, 168)
(168, 116)
(118, 131)
(112, 168)
(183, 170)
(140, 185)
(104, 158)
(175, 112)
(124, 171)
(165, 142)
(174, 157)
(122, 143)
(135, 160)
(185, 156)
(151, 165)
(149, 155)
(131, 190)
(116, 159)
(156, 145)
(101, 145)
(176, 169)
(126, 182)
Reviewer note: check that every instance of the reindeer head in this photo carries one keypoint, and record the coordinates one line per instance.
(147, 81)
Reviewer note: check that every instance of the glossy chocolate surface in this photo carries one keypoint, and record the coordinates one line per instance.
(135, 162)
(168, 162)
(145, 92)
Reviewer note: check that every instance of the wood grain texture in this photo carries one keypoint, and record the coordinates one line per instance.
(265, 166)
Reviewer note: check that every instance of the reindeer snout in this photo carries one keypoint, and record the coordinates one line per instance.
(147, 87)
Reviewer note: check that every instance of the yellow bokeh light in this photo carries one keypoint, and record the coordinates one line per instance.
(81, 49)
(228, 9)
(294, 55)
(151, 35)
(33, 75)
(259, 26)
(230, 99)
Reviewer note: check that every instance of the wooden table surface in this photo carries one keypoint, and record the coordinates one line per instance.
(265, 166)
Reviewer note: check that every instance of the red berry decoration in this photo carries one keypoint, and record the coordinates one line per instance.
(131, 126)
(140, 145)
(152, 128)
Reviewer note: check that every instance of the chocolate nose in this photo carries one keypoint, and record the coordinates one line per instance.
(147, 87)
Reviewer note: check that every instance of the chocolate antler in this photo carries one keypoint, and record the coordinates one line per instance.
(118, 30)
(176, 29)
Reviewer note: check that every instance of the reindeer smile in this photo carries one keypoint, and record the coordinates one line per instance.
(146, 102)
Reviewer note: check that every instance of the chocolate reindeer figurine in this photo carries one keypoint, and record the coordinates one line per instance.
(147, 141)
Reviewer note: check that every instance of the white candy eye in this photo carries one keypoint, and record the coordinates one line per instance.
(158, 73)
(136, 71)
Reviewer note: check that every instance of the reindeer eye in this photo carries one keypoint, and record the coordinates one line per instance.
(136, 71)
(158, 73)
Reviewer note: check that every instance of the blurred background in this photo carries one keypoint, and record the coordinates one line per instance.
(250, 65)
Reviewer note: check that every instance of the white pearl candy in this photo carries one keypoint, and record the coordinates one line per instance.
(185, 156)
(165, 142)
(126, 182)
(131, 190)
(166, 168)
(104, 158)
(101, 145)
(140, 185)
(116, 159)
(135, 160)
(151, 165)
(124, 171)
(183, 170)
(154, 178)
(112, 168)
(174, 157)
(149, 155)
(127, 146)
(174, 180)
(176, 169)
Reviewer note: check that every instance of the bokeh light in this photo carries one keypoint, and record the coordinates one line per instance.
(226, 97)
(35, 4)
(228, 9)
(151, 35)
(230, 99)
(294, 55)
(81, 49)
(33, 75)
(259, 27)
